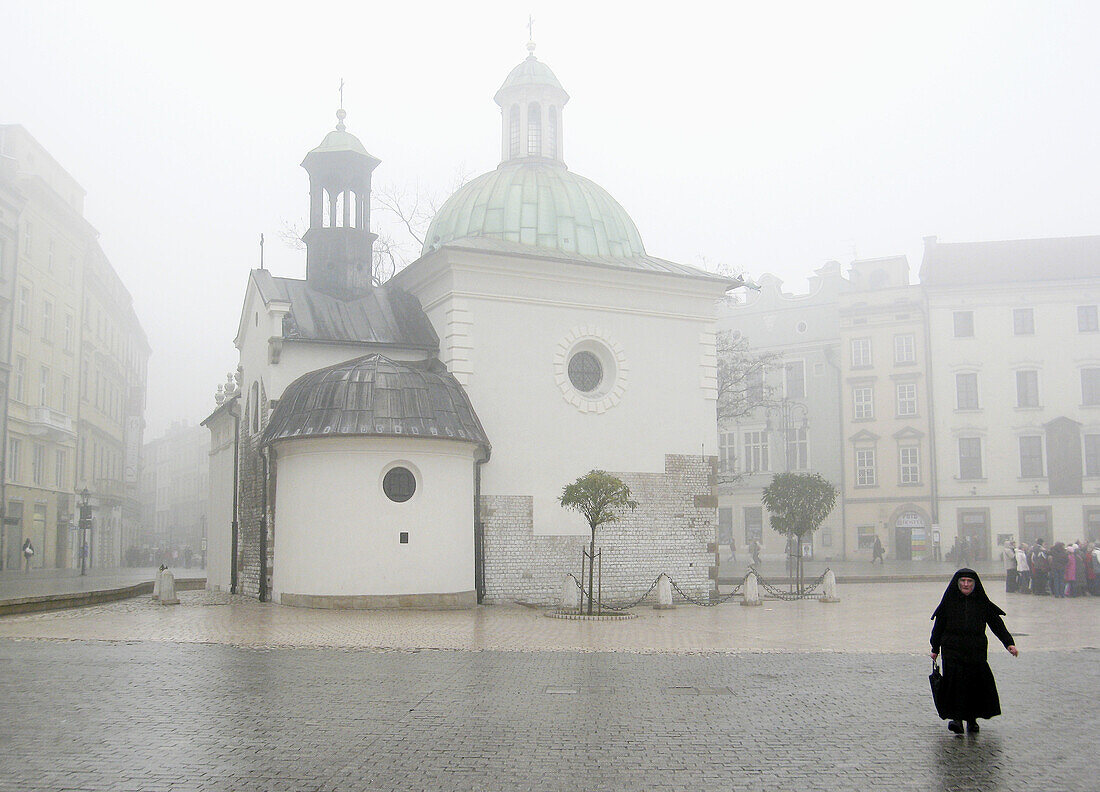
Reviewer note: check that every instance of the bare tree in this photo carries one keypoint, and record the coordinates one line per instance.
(742, 386)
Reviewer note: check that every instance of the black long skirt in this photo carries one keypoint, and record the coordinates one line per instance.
(969, 689)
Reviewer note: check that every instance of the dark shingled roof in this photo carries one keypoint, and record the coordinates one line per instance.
(1010, 261)
(388, 315)
(374, 396)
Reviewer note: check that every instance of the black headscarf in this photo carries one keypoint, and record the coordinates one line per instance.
(953, 596)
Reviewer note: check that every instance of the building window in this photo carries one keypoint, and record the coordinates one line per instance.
(59, 469)
(964, 324)
(794, 375)
(14, 460)
(534, 130)
(865, 536)
(38, 465)
(1027, 388)
(1090, 386)
(44, 386)
(1031, 456)
(64, 394)
(399, 484)
(28, 238)
(47, 321)
(23, 308)
(754, 524)
(907, 399)
(754, 386)
(970, 457)
(756, 452)
(865, 467)
(69, 332)
(909, 465)
(19, 377)
(513, 131)
(905, 348)
(1023, 321)
(727, 452)
(585, 371)
(1087, 319)
(861, 353)
(798, 449)
(863, 403)
(966, 391)
(1092, 455)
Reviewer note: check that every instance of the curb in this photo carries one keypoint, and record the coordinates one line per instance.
(851, 579)
(80, 599)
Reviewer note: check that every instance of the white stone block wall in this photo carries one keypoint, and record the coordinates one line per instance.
(672, 531)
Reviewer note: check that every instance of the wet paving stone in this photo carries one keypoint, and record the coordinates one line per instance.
(87, 715)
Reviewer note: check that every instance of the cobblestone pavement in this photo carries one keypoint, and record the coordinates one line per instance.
(169, 716)
(869, 618)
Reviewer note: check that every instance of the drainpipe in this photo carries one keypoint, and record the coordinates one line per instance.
(234, 549)
(933, 473)
(840, 436)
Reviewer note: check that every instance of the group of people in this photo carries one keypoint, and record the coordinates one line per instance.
(1061, 570)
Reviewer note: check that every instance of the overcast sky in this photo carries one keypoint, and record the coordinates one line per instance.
(767, 137)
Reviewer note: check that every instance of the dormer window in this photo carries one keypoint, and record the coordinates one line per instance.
(513, 131)
(534, 130)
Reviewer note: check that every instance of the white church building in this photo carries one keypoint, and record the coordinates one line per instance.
(405, 444)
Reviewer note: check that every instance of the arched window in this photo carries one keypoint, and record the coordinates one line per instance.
(326, 209)
(534, 130)
(338, 209)
(254, 404)
(552, 133)
(513, 131)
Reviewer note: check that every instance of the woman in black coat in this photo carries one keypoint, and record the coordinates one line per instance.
(968, 689)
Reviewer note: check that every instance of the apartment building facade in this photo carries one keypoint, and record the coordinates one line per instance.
(797, 427)
(1015, 335)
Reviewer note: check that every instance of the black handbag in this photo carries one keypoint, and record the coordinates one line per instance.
(935, 681)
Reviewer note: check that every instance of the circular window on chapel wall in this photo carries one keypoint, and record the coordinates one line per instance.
(399, 484)
(590, 369)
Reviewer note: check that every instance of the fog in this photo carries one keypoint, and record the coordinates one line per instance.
(759, 137)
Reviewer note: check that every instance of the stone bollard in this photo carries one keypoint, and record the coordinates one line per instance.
(664, 593)
(156, 583)
(830, 594)
(570, 594)
(751, 593)
(168, 588)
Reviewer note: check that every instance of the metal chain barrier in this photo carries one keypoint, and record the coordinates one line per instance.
(772, 589)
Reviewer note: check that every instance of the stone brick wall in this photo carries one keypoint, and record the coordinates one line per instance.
(672, 531)
(250, 566)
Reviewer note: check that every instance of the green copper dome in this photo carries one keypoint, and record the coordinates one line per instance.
(542, 204)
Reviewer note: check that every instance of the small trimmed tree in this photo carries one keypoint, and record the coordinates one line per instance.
(798, 503)
(601, 498)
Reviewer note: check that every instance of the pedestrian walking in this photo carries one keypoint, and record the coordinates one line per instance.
(28, 553)
(878, 552)
(1023, 570)
(1070, 589)
(967, 690)
(756, 552)
(733, 551)
(1008, 556)
(1040, 568)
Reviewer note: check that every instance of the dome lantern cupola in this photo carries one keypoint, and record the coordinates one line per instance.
(339, 242)
(531, 101)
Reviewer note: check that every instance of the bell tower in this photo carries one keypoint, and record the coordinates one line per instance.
(339, 242)
(531, 101)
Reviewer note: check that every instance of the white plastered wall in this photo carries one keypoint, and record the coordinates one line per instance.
(337, 534)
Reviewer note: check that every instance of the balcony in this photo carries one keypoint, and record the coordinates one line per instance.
(50, 424)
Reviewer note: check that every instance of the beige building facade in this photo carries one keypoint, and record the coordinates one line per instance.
(56, 270)
(888, 482)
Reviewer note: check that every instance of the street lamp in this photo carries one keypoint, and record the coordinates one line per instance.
(84, 525)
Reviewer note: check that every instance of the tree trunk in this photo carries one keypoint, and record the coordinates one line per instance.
(591, 563)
